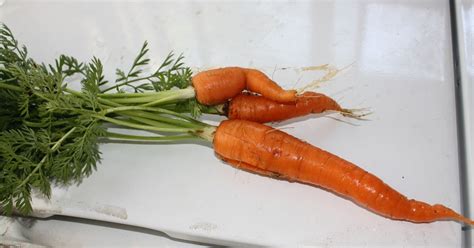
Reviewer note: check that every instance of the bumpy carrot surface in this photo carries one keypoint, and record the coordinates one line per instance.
(270, 152)
(218, 85)
(261, 109)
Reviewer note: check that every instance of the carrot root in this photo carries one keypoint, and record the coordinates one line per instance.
(358, 113)
(266, 151)
(260, 83)
(218, 85)
(260, 109)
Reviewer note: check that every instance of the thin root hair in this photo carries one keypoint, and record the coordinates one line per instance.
(340, 120)
(358, 114)
(331, 72)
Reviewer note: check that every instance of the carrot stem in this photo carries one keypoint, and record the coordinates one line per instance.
(159, 128)
(159, 118)
(151, 99)
(149, 138)
(129, 94)
(182, 95)
(109, 103)
(152, 109)
(10, 87)
(152, 122)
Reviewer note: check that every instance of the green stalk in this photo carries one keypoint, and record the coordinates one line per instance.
(109, 103)
(170, 112)
(10, 87)
(136, 99)
(152, 109)
(129, 94)
(153, 99)
(159, 118)
(149, 138)
(34, 124)
(147, 119)
(152, 122)
(159, 128)
(73, 92)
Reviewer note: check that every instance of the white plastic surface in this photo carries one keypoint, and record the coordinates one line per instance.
(60, 231)
(401, 67)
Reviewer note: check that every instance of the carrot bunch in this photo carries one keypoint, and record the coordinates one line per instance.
(263, 99)
(49, 132)
(245, 144)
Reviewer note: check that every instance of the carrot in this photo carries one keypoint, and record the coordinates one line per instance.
(260, 109)
(258, 82)
(218, 85)
(263, 150)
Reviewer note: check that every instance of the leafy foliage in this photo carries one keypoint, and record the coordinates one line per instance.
(50, 133)
(45, 137)
(66, 66)
(171, 73)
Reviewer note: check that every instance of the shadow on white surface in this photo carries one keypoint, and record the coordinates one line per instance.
(62, 231)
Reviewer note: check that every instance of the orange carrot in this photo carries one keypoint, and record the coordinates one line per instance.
(260, 109)
(270, 152)
(218, 85)
(258, 82)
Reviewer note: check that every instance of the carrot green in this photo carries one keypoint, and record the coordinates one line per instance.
(50, 132)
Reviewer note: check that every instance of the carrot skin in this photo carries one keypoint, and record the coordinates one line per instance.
(261, 109)
(268, 151)
(218, 85)
(260, 83)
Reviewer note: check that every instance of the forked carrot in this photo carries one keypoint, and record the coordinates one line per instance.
(261, 149)
(218, 85)
(260, 109)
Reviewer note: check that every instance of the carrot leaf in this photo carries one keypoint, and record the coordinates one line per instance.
(50, 133)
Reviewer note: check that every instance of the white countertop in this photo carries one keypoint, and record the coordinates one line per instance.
(402, 69)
